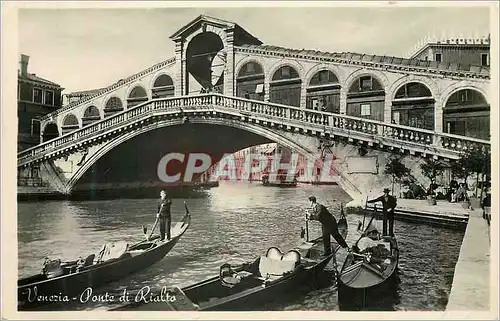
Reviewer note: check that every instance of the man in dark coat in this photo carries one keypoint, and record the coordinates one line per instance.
(328, 225)
(164, 215)
(388, 205)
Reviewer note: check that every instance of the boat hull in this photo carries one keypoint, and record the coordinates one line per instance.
(73, 287)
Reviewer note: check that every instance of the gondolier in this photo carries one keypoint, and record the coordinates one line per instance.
(389, 204)
(164, 215)
(328, 225)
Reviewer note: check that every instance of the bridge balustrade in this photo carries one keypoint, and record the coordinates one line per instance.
(336, 124)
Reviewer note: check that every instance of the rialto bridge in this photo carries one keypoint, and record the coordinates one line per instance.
(237, 92)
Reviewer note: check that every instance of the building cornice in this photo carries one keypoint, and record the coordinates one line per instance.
(337, 59)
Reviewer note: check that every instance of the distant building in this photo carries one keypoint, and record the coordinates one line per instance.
(77, 95)
(466, 112)
(465, 51)
(36, 97)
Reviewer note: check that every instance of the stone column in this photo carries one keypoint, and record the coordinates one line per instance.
(388, 108)
(180, 65)
(303, 94)
(229, 66)
(438, 114)
(343, 100)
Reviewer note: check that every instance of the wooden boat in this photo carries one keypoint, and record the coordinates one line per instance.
(66, 281)
(248, 285)
(363, 274)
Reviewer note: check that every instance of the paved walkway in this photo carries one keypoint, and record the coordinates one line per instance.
(442, 207)
(471, 283)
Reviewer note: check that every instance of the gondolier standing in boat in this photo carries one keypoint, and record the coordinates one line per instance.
(164, 215)
(328, 225)
(389, 204)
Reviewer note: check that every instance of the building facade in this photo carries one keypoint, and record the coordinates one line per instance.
(466, 112)
(36, 97)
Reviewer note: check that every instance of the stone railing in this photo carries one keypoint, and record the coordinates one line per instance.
(334, 124)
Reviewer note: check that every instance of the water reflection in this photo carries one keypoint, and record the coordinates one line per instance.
(235, 220)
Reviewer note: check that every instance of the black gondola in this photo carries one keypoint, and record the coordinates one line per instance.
(249, 285)
(61, 281)
(362, 276)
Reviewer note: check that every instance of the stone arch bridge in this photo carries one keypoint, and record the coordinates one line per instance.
(222, 76)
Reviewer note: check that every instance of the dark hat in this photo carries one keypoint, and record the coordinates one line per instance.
(312, 198)
(386, 190)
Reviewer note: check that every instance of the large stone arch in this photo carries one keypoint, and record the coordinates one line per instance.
(466, 112)
(250, 86)
(139, 93)
(318, 67)
(163, 92)
(292, 63)
(200, 53)
(253, 128)
(248, 59)
(90, 114)
(428, 82)
(366, 103)
(50, 131)
(453, 88)
(112, 104)
(323, 97)
(69, 123)
(380, 76)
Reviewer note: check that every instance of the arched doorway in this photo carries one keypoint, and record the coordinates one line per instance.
(70, 123)
(90, 115)
(137, 96)
(413, 106)
(113, 105)
(50, 131)
(205, 62)
(285, 87)
(323, 92)
(163, 87)
(366, 98)
(467, 113)
(250, 81)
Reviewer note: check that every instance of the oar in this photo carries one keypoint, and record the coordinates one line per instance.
(156, 222)
(361, 226)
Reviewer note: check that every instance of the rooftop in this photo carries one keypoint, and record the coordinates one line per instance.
(35, 78)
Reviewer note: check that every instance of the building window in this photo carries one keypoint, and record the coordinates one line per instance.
(484, 60)
(365, 83)
(35, 127)
(49, 97)
(365, 110)
(438, 57)
(37, 96)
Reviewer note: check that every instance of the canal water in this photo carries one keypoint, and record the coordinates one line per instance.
(233, 221)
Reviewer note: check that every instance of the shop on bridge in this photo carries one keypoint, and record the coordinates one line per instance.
(323, 92)
(90, 115)
(250, 81)
(113, 105)
(285, 87)
(413, 106)
(467, 113)
(366, 98)
(163, 87)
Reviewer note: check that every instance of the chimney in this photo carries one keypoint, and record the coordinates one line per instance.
(23, 64)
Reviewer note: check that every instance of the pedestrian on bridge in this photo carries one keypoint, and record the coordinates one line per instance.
(388, 205)
(164, 215)
(328, 225)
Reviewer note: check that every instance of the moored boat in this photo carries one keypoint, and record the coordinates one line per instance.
(365, 275)
(66, 281)
(279, 180)
(249, 285)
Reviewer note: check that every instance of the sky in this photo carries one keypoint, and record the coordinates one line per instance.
(84, 49)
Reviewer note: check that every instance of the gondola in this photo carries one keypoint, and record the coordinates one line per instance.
(66, 281)
(363, 276)
(281, 180)
(251, 284)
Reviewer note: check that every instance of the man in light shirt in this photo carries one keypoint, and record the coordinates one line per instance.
(369, 240)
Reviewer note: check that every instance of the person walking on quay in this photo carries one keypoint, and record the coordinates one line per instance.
(164, 215)
(328, 225)
(388, 205)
